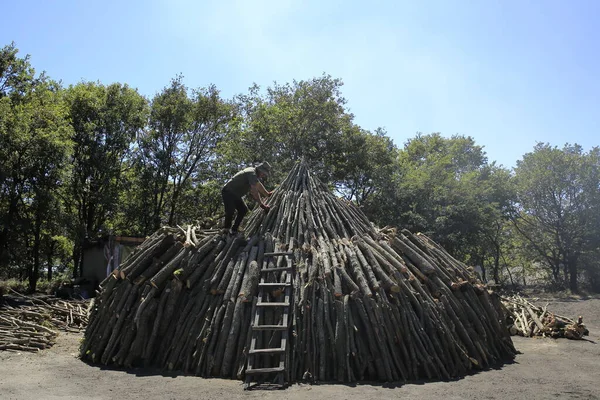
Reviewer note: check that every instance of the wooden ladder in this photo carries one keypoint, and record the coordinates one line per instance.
(279, 375)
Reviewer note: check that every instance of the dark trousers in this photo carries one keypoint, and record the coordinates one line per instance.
(232, 204)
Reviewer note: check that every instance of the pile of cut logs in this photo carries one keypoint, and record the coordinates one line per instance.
(33, 323)
(366, 304)
(524, 318)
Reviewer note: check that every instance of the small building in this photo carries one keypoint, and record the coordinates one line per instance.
(102, 256)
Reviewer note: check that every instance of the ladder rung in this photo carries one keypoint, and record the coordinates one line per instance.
(281, 253)
(269, 327)
(267, 351)
(272, 304)
(264, 370)
(277, 269)
(274, 284)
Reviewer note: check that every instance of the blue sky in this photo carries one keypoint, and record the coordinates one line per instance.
(508, 73)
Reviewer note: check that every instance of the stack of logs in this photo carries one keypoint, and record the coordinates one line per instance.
(526, 319)
(33, 323)
(367, 305)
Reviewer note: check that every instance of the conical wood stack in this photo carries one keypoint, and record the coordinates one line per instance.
(367, 305)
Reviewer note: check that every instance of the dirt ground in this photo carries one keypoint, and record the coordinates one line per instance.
(546, 368)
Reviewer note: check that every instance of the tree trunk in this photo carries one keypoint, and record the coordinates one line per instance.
(5, 233)
(49, 257)
(172, 208)
(573, 276)
(555, 272)
(33, 276)
(497, 264)
(81, 260)
(76, 258)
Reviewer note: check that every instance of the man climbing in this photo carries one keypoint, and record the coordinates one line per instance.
(247, 180)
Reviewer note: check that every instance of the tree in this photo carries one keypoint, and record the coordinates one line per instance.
(17, 76)
(364, 164)
(559, 206)
(34, 146)
(434, 189)
(494, 196)
(302, 120)
(445, 188)
(105, 121)
(176, 153)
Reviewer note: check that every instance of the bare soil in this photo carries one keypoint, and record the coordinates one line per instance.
(545, 368)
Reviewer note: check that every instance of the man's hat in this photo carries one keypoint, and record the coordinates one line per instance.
(264, 167)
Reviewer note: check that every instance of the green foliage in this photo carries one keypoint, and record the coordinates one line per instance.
(559, 207)
(363, 164)
(16, 74)
(35, 144)
(445, 188)
(303, 120)
(437, 187)
(174, 156)
(42, 285)
(308, 120)
(105, 121)
(8, 285)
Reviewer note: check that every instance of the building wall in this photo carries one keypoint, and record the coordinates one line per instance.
(94, 264)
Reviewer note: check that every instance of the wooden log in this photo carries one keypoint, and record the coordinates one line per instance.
(143, 327)
(220, 268)
(107, 351)
(137, 255)
(144, 301)
(206, 265)
(159, 280)
(414, 270)
(158, 263)
(188, 324)
(250, 282)
(145, 261)
(243, 358)
(378, 271)
(368, 333)
(473, 353)
(359, 276)
(391, 261)
(414, 253)
(233, 289)
(348, 281)
(225, 338)
(205, 247)
(340, 341)
(107, 290)
(198, 329)
(202, 342)
(170, 306)
(149, 350)
(367, 269)
(127, 338)
(103, 335)
(214, 336)
(233, 337)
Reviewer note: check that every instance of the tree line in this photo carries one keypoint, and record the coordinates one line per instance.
(83, 161)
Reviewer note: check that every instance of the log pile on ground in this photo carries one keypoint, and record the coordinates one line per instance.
(367, 305)
(31, 323)
(526, 319)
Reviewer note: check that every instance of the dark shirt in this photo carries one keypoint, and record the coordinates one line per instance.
(240, 183)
